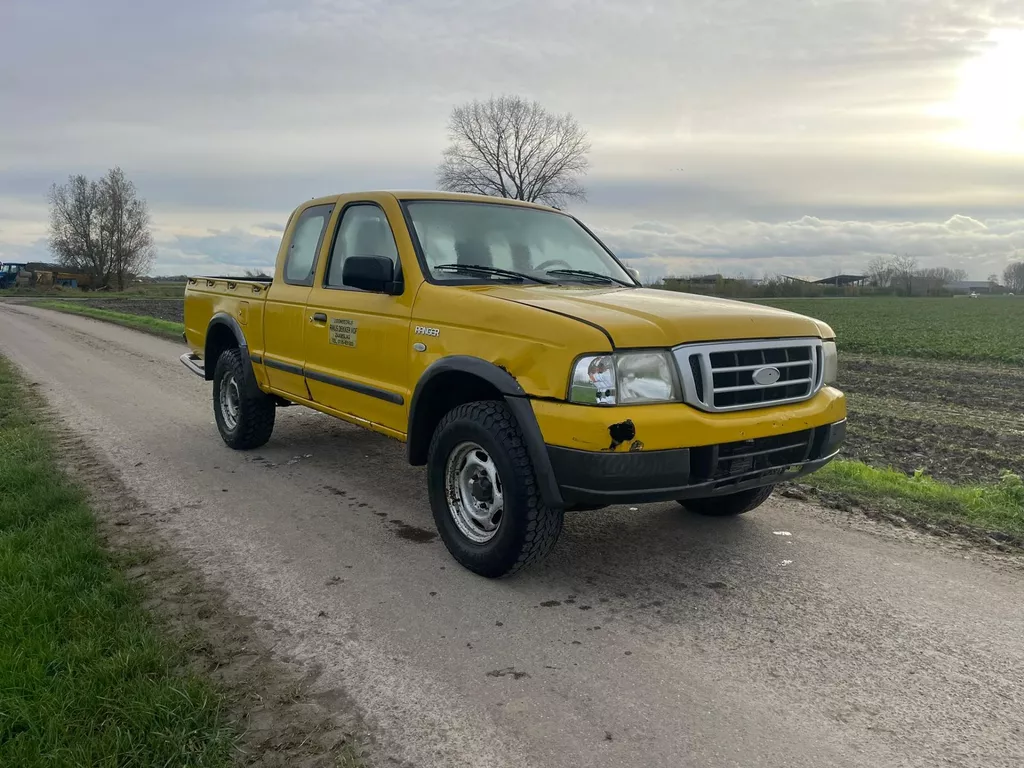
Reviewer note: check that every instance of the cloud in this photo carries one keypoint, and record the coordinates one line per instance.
(813, 246)
(228, 114)
(808, 246)
(38, 250)
(229, 252)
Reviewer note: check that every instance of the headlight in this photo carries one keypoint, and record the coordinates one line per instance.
(829, 363)
(625, 378)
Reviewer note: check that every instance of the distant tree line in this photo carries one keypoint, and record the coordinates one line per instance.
(886, 275)
(900, 274)
(771, 287)
(101, 228)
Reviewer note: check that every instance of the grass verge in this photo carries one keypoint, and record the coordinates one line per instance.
(994, 511)
(85, 676)
(165, 328)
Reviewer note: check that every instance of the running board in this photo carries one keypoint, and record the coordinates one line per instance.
(194, 363)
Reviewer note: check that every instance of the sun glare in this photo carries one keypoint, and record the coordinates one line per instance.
(989, 101)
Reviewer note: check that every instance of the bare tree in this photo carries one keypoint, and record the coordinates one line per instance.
(75, 236)
(881, 271)
(101, 228)
(125, 227)
(1013, 277)
(904, 268)
(934, 279)
(510, 147)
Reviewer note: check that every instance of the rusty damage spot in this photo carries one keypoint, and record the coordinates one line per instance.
(621, 433)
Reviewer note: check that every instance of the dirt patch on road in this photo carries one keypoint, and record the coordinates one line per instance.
(274, 703)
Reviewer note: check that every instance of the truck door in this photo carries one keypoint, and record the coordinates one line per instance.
(357, 350)
(284, 319)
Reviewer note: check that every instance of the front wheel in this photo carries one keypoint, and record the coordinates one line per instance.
(729, 504)
(483, 492)
(244, 414)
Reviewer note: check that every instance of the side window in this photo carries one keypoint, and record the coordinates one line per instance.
(363, 231)
(306, 239)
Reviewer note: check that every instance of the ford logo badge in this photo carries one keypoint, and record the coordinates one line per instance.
(766, 376)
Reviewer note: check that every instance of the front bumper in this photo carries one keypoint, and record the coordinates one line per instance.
(603, 478)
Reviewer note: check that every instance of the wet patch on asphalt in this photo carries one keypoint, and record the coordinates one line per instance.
(411, 532)
(508, 672)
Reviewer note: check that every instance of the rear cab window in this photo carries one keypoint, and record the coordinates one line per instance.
(307, 237)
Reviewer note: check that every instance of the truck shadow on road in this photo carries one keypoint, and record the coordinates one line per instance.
(624, 550)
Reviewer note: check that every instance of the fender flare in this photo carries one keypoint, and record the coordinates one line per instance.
(516, 399)
(226, 320)
(499, 378)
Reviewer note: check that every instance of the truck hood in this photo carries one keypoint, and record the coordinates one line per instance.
(641, 317)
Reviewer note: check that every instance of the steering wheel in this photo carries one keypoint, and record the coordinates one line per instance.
(552, 262)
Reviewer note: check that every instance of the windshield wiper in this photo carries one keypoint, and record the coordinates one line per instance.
(588, 274)
(480, 269)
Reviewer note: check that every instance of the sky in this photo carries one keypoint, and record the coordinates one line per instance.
(801, 137)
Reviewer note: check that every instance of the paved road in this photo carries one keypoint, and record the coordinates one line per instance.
(650, 638)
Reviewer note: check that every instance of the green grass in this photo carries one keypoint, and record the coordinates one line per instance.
(997, 508)
(988, 329)
(85, 678)
(153, 325)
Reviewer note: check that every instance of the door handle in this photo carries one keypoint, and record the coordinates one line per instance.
(318, 317)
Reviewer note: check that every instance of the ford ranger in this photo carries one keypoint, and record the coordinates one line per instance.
(520, 361)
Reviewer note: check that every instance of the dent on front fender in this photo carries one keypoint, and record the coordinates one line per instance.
(539, 374)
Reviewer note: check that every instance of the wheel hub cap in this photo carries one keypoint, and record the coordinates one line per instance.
(230, 401)
(474, 491)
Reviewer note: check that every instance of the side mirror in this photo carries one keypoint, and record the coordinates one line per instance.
(370, 273)
(634, 272)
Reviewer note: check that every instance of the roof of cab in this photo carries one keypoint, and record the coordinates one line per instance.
(435, 195)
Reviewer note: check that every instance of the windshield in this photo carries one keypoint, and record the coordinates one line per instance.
(539, 245)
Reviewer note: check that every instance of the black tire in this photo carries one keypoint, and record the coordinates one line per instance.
(528, 528)
(253, 422)
(729, 505)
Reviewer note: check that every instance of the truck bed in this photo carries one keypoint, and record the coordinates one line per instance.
(241, 299)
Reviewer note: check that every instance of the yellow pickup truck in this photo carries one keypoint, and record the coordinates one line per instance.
(520, 361)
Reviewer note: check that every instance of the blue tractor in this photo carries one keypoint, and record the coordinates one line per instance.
(9, 273)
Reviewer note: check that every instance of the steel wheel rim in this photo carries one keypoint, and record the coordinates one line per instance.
(475, 494)
(230, 401)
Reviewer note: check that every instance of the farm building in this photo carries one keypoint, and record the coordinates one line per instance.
(710, 280)
(973, 286)
(840, 281)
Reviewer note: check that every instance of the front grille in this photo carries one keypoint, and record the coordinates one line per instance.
(698, 376)
(731, 463)
(720, 377)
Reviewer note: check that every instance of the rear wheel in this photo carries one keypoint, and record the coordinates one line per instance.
(483, 492)
(730, 504)
(244, 414)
